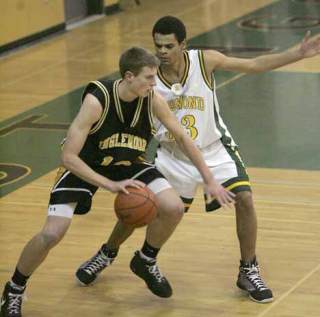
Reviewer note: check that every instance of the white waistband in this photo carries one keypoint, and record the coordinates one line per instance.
(177, 153)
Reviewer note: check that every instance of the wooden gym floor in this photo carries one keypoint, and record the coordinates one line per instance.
(273, 117)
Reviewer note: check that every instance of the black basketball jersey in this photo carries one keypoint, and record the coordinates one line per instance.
(123, 131)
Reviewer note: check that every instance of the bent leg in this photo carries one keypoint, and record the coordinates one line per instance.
(143, 264)
(170, 212)
(120, 233)
(39, 246)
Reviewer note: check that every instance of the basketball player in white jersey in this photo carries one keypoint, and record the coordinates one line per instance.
(184, 80)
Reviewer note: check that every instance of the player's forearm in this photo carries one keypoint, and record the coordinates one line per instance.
(79, 168)
(273, 61)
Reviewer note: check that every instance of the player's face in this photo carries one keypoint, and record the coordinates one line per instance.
(144, 82)
(168, 49)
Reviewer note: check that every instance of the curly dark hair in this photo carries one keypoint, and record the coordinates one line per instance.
(170, 25)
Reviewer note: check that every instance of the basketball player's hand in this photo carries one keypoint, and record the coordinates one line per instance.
(310, 47)
(221, 194)
(116, 187)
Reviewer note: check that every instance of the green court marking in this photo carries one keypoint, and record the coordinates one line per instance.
(272, 116)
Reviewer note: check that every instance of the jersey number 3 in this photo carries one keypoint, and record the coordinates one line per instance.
(188, 122)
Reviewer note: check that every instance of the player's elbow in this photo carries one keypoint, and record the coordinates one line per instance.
(67, 160)
(256, 66)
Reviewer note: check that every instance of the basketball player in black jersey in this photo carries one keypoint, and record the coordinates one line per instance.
(103, 148)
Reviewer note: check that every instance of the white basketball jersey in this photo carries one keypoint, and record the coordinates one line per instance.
(196, 108)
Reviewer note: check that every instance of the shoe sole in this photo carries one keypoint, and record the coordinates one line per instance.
(264, 301)
(80, 283)
(133, 271)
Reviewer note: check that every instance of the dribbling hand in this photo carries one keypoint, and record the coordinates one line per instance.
(116, 187)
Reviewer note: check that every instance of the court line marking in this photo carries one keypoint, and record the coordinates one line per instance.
(191, 214)
(293, 288)
(236, 77)
(287, 293)
(198, 196)
(49, 67)
(295, 184)
(300, 203)
(281, 202)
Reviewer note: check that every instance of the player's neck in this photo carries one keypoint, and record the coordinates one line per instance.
(125, 93)
(175, 71)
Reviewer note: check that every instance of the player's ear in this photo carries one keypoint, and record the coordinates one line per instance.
(183, 44)
(128, 75)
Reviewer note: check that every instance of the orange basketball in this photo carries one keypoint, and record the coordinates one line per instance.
(137, 208)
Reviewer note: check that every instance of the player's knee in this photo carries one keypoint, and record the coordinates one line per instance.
(50, 238)
(244, 200)
(174, 211)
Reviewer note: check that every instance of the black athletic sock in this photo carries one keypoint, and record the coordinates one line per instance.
(248, 263)
(110, 253)
(149, 250)
(18, 279)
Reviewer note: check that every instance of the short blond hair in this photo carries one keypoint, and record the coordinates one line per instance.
(135, 58)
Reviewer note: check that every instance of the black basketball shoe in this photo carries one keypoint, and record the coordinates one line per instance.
(11, 301)
(249, 280)
(150, 273)
(89, 270)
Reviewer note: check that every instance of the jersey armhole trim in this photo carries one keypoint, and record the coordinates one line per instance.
(150, 112)
(203, 70)
(98, 125)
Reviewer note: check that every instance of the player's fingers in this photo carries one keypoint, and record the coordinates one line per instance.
(139, 183)
(230, 194)
(133, 183)
(230, 204)
(123, 190)
(227, 199)
(221, 202)
(222, 198)
(226, 205)
(231, 198)
(227, 195)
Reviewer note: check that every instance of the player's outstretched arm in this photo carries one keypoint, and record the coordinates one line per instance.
(309, 47)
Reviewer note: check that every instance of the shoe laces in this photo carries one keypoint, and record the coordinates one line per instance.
(14, 303)
(97, 263)
(252, 273)
(155, 271)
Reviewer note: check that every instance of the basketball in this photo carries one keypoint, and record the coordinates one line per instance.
(138, 208)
